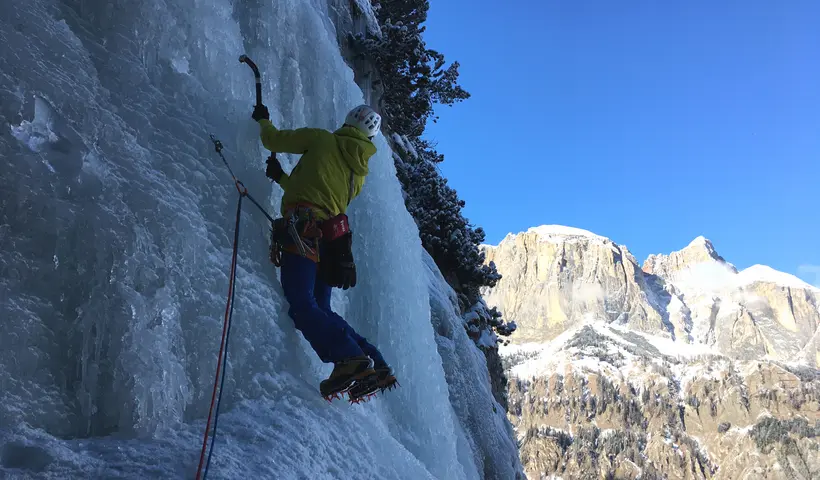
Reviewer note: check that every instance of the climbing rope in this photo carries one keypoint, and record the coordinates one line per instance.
(239, 185)
(222, 358)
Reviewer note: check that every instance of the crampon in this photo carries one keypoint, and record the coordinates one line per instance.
(335, 396)
(364, 390)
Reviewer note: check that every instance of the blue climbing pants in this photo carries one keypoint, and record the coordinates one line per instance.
(309, 297)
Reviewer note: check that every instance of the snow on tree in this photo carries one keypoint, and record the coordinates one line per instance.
(445, 233)
(413, 79)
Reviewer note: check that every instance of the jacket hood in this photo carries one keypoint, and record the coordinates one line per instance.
(356, 149)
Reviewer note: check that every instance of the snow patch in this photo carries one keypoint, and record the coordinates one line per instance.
(718, 277)
(704, 277)
(763, 273)
(365, 8)
(561, 230)
(589, 293)
(700, 241)
(535, 360)
(558, 234)
(742, 430)
(488, 339)
(180, 65)
(404, 144)
(673, 348)
(399, 141)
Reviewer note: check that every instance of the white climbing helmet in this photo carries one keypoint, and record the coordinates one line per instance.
(365, 119)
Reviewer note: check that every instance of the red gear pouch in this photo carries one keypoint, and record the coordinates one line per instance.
(335, 227)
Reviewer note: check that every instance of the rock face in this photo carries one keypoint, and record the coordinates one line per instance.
(683, 368)
(607, 402)
(555, 278)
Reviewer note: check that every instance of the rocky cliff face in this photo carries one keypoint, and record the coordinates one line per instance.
(700, 250)
(607, 402)
(555, 278)
(682, 368)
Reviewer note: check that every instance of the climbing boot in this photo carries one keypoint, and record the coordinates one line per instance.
(344, 374)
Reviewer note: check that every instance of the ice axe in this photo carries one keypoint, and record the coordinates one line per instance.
(246, 60)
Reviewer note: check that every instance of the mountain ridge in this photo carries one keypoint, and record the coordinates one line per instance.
(554, 230)
(570, 275)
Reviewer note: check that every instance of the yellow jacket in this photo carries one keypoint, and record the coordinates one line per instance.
(331, 164)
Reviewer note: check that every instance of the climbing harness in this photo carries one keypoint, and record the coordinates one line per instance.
(300, 232)
(297, 232)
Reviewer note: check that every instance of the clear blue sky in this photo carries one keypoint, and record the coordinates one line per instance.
(648, 122)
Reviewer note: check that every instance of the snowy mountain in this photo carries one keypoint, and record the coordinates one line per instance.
(116, 232)
(555, 278)
(685, 368)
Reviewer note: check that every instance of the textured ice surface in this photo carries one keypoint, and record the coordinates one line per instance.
(116, 223)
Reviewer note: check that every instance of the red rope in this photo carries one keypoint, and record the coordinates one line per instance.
(226, 329)
(226, 326)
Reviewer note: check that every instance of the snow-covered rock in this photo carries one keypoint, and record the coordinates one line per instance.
(699, 251)
(605, 401)
(766, 274)
(753, 314)
(562, 233)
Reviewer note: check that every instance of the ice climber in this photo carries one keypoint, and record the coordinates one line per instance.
(312, 241)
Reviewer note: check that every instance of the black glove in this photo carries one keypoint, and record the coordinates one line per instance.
(274, 169)
(336, 266)
(259, 112)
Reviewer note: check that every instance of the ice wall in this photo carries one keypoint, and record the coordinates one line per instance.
(116, 221)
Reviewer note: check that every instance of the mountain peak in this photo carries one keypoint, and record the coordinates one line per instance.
(700, 241)
(700, 250)
(704, 244)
